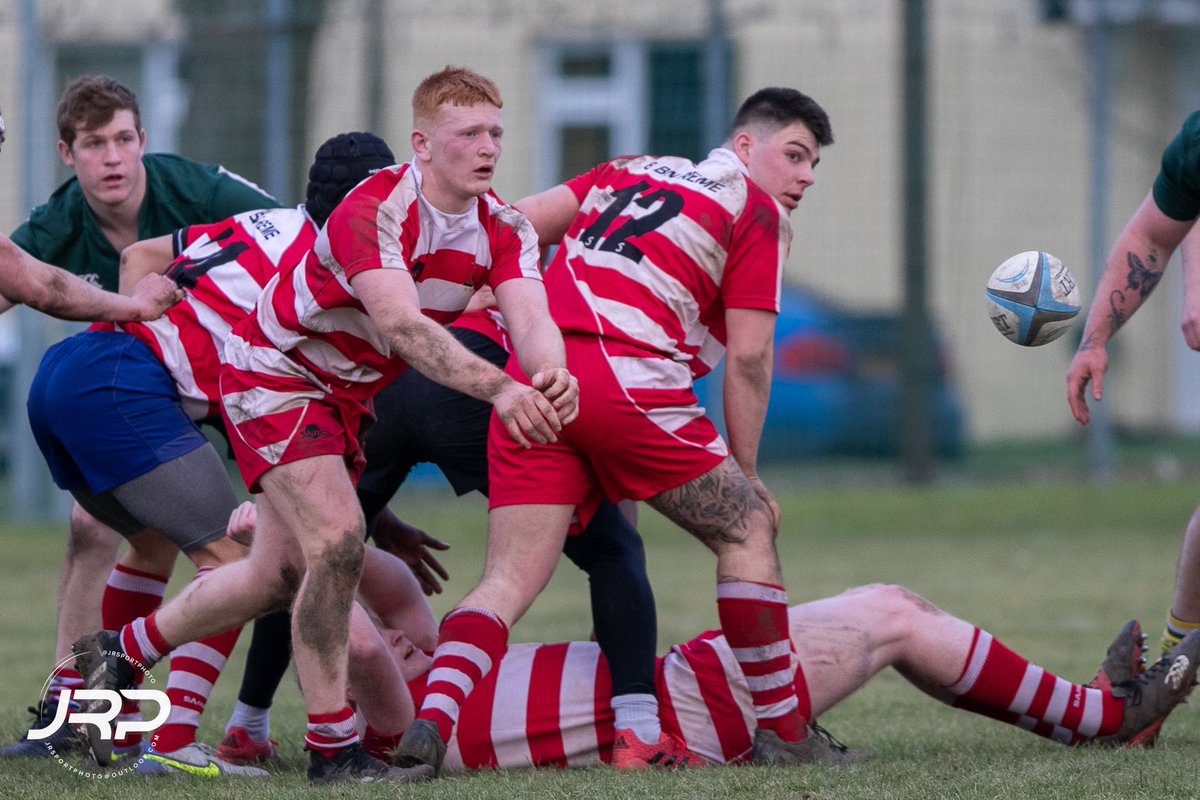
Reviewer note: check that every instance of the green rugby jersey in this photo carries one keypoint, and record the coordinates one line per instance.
(63, 231)
(1177, 187)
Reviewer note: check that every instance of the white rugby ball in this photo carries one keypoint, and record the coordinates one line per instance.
(1032, 298)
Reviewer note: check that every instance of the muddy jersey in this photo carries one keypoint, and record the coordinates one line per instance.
(553, 706)
(312, 315)
(661, 247)
(224, 267)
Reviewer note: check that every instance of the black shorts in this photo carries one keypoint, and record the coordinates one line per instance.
(421, 421)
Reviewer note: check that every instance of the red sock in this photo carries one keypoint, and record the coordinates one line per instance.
(754, 619)
(381, 745)
(143, 643)
(470, 643)
(330, 733)
(130, 594)
(998, 683)
(195, 667)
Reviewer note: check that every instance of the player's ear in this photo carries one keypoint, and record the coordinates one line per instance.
(420, 144)
(742, 143)
(64, 152)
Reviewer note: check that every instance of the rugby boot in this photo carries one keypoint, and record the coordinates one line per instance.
(1153, 695)
(819, 747)
(196, 760)
(103, 665)
(631, 753)
(354, 764)
(67, 740)
(1125, 659)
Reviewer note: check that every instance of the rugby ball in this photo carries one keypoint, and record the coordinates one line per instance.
(1032, 298)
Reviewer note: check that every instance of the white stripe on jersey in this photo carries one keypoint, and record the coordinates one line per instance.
(441, 295)
(577, 704)
(509, 708)
(650, 373)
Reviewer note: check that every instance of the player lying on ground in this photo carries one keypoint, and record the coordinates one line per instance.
(547, 705)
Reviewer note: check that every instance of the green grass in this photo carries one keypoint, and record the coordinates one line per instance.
(1052, 567)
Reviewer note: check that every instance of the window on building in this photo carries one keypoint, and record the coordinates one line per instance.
(598, 100)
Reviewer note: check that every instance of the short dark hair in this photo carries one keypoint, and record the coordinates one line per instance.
(341, 163)
(779, 106)
(90, 102)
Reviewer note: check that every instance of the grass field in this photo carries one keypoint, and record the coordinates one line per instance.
(1052, 566)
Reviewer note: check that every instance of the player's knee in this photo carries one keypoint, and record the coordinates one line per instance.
(898, 600)
(283, 589)
(89, 536)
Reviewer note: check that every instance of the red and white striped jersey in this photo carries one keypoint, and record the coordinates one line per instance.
(661, 247)
(548, 705)
(224, 267)
(313, 315)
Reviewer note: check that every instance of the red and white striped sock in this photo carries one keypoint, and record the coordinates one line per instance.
(330, 733)
(142, 641)
(195, 667)
(130, 594)
(471, 642)
(754, 619)
(998, 683)
(63, 678)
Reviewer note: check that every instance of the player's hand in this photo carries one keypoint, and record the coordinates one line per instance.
(240, 527)
(765, 495)
(411, 545)
(154, 294)
(1088, 366)
(529, 417)
(1191, 323)
(562, 389)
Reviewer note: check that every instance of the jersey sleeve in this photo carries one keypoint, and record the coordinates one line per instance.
(1177, 186)
(580, 185)
(365, 230)
(757, 251)
(515, 251)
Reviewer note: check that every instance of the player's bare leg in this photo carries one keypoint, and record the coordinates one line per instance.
(722, 510)
(524, 545)
(844, 641)
(91, 552)
(1184, 615)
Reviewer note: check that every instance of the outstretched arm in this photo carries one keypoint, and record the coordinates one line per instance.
(1135, 266)
(390, 298)
(54, 291)
(538, 344)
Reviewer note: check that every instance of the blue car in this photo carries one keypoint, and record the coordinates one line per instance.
(837, 385)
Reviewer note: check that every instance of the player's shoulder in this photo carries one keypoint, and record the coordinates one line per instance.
(54, 223)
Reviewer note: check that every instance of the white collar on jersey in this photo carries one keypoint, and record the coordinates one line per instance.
(726, 157)
(448, 220)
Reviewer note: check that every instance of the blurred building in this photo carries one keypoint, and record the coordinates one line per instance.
(257, 84)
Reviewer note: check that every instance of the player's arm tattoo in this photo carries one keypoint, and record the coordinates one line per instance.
(1143, 277)
(715, 508)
